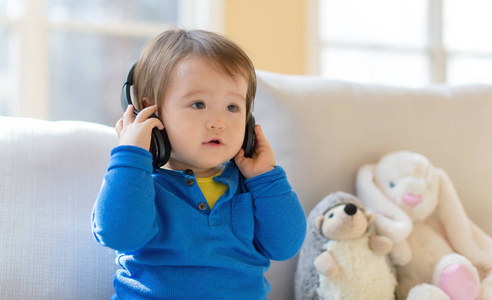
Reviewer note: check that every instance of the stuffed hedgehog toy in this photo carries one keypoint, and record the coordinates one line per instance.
(439, 253)
(341, 258)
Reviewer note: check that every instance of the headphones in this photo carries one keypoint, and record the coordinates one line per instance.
(160, 147)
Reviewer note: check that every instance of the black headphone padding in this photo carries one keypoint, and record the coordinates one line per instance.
(249, 137)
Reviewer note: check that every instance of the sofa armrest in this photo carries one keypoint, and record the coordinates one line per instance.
(50, 175)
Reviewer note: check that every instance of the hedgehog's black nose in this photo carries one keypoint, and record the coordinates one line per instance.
(350, 209)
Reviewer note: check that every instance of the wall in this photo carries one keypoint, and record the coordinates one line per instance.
(272, 32)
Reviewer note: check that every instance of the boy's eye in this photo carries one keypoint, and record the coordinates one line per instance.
(233, 108)
(198, 105)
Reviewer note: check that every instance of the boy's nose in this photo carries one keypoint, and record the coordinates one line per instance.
(216, 123)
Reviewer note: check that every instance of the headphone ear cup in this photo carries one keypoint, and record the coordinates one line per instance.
(249, 137)
(160, 147)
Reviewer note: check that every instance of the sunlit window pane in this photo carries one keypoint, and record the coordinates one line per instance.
(375, 67)
(7, 76)
(3, 7)
(463, 70)
(87, 73)
(467, 25)
(11, 8)
(97, 11)
(385, 22)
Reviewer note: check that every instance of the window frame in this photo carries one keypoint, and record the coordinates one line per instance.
(30, 64)
(438, 56)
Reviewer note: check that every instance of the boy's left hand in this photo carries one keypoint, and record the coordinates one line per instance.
(262, 161)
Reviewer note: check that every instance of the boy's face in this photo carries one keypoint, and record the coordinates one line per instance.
(204, 114)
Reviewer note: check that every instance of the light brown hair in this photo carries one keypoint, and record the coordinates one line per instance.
(153, 69)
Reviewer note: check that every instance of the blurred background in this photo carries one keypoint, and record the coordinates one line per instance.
(67, 60)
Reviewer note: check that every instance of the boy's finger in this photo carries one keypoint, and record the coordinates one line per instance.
(239, 157)
(145, 113)
(119, 123)
(260, 137)
(154, 122)
(119, 126)
(127, 116)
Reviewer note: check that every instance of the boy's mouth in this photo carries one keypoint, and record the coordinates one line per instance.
(214, 141)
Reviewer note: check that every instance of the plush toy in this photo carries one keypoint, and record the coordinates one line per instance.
(438, 252)
(341, 257)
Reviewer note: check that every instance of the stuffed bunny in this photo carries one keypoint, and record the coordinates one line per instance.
(341, 257)
(439, 253)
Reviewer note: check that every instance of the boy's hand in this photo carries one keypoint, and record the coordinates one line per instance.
(137, 132)
(262, 161)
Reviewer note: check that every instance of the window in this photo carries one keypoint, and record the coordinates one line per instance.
(403, 42)
(63, 59)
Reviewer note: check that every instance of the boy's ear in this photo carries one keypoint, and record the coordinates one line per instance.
(146, 102)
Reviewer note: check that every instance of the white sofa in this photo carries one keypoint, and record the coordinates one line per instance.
(322, 131)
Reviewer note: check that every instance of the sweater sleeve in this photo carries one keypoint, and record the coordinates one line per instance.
(280, 222)
(124, 215)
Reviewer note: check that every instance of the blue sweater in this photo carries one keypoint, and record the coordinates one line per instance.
(170, 245)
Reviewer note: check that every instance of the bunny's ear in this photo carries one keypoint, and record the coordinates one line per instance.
(465, 237)
(390, 220)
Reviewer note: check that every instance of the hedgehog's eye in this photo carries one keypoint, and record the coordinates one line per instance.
(392, 184)
(330, 216)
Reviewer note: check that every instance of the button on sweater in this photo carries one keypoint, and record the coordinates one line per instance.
(169, 247)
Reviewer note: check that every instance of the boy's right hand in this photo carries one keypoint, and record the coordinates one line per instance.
(137, 132)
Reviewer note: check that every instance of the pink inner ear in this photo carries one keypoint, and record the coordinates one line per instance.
(459, 283)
